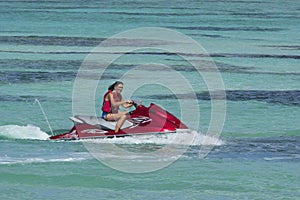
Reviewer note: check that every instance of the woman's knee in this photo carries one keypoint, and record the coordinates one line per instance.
(112, 117)
(123, 116)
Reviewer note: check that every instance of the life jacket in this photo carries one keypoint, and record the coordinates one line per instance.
(107, 107)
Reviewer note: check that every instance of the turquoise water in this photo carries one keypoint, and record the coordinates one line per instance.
(255, 45)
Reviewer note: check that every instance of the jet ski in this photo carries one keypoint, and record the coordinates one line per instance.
(142, 120)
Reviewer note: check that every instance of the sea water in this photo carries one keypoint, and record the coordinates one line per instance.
(254, 44)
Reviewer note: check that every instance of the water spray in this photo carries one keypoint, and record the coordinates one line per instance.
(45, 116)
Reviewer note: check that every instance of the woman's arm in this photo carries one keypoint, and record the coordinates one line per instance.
(127, 103)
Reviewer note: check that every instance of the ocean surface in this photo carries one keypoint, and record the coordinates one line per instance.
(255, 45)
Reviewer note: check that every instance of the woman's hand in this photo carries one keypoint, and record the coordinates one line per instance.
(129, 102)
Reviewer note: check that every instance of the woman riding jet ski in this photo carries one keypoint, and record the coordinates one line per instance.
(111, 102)
(115, 123)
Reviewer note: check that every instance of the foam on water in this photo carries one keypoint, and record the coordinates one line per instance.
(22, 132)
(192, 138)
(6, 161)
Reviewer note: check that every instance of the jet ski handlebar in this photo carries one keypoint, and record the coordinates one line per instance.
(136, 103)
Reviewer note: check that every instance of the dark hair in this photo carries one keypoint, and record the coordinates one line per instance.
(112, 86)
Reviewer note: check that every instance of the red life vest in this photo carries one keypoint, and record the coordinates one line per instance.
(107, 107)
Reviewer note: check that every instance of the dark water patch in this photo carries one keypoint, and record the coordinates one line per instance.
(218, 55)
(265, 15)
(256, 56)
(202, 66)
(241, 2)
(76, 41)
(31, 99)
(85, 52)
(161, 14)
(49, 52)
(44, 6)
(152, 44)
(11, 77)
(270, 149)
(40, 64)
(54, 65)
(74, 65)
(206, 66)
(250, 14)
(11, 31)
(207, 35)
(288, 97)
(50, 40)
(214, 28)
(223, 67)
(32, 77)
(31, 1)
(273, 73)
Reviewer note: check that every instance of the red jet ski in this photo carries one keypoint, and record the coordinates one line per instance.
(142, 120)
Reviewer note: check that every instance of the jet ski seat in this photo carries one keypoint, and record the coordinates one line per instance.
(99, 122)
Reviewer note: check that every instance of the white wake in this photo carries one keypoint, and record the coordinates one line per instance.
(192, 138)
(23, 132)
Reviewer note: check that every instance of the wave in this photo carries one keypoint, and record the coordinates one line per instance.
(8, 161)
(283, 158)
(22, 132)
(192, 138)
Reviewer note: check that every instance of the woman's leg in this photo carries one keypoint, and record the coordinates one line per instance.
(120, 122)
(118, 117)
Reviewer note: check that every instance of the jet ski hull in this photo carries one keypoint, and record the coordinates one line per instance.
(143, 120)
